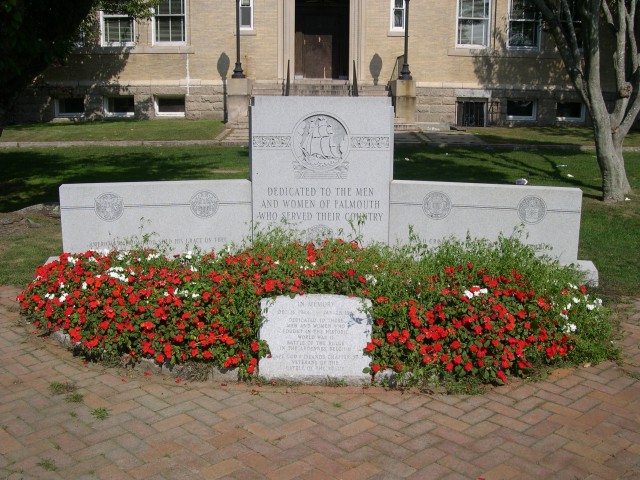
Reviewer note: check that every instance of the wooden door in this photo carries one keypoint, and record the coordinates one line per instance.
(317, 55)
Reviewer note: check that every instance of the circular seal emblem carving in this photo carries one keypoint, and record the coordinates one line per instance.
(316, 234)
(204, 204)
(320, 142)
(109, 207)
(532, 209)
(436, 205)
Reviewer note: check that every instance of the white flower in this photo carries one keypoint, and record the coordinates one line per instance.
(194, 295)
(568, 307)
(84, 285)
(63, 297)
(72, 260)
(468, 294)
(371, 279)
(570, 328)
(590, 306)
(277, 262)
(484, 291)
(576, 300)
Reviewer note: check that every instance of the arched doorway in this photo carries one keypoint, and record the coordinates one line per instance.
(322, 39)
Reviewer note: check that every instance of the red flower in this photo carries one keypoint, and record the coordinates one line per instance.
(375, 367)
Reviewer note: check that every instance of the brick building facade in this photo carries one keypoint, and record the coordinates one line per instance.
(474, 62)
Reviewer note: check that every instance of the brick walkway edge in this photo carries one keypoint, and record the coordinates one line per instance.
(579, 423)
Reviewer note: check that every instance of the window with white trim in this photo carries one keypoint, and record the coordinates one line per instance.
(116, 30)
(169, 22)
(524, 25)
(570, 112)
(69, 107)
(398, 9)
(521, 109)
(121, 106)
(572, 16)
(473, 23)
(170, 106)
(246, 14)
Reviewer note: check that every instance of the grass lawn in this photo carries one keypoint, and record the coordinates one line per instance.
(609, 233)
(32, 176)
(552, 135)
(114, 130)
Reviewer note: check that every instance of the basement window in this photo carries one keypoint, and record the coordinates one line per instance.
(119, 106)
(170, 106)
(69, 107)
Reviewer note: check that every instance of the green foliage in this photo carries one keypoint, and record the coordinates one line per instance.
(465, 310)
(100, 413)
(58, 388)
(48, 464)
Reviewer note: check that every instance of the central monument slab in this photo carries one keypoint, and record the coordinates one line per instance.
(323, 165)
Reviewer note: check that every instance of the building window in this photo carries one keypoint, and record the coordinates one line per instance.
(473, 23)
(570, 112)
(521, 110)
(169, 22)
(246, 14)
(524, 25)
(170, 106)
(471, 112)
(69, 107)
(572, 17)
(397, 15)
(119, 106)
(116, 30)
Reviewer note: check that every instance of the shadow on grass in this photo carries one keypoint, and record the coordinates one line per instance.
(30, 177)
(549, 168)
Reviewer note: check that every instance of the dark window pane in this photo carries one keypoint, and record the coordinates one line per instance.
(569, 110)
(71, 106)
(171, 104)
(121, 105)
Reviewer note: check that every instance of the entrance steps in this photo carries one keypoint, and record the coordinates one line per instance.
(318, 88)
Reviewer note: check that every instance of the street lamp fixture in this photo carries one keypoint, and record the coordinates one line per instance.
(405, 73)
(237, 71)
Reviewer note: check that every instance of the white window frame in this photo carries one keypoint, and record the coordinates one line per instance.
(103, 31)
(109, 113)
(524, 118)
(184, 16)
(246, 4)
(169, 114)
(579, 119)
(486, 20)
(513, 20)
(392, 24)
(58, 114)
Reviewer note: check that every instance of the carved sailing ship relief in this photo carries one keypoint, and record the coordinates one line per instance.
(320, 147)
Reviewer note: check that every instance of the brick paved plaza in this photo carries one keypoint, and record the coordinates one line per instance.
(577, 424)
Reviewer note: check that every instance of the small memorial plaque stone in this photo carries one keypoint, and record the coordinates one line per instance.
(315, 336)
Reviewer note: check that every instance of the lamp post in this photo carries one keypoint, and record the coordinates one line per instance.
(405, 73)
(237, 71)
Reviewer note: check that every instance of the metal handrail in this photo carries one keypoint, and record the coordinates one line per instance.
(354, 87)
(287, 87)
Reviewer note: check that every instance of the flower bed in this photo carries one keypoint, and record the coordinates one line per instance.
(474, 309)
